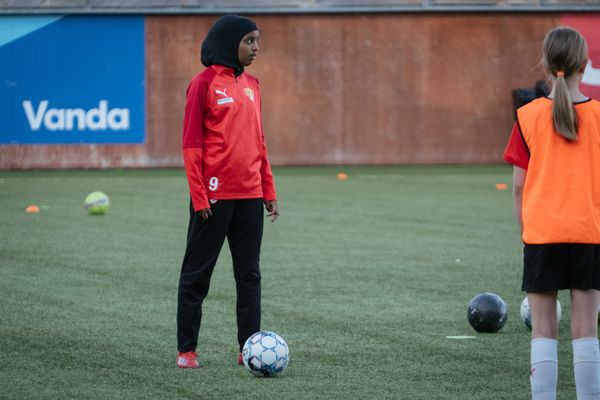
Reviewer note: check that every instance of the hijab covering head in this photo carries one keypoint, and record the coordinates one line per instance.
(220, 47)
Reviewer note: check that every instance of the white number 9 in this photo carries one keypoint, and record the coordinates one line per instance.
(213, 183)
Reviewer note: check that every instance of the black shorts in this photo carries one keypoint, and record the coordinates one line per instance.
(551, 267)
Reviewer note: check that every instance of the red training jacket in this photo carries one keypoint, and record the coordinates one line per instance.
(224, 149)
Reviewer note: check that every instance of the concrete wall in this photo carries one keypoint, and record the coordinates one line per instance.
(342, 88)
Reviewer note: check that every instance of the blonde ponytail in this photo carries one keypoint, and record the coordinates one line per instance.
(563, 112)
(564, 54)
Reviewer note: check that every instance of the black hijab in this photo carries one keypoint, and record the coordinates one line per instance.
(222, 42)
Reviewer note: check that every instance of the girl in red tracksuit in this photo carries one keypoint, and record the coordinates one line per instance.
(229, 178)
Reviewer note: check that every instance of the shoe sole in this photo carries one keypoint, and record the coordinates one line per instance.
(188, 366)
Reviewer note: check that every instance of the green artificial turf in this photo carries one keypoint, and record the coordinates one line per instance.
(363, 278)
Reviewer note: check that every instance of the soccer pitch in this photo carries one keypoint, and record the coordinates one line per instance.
(363, 278)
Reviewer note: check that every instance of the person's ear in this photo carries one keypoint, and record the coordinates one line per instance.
(582, 69)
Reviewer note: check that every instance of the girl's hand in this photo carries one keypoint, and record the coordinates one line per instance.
(272, 209)
(205, 213)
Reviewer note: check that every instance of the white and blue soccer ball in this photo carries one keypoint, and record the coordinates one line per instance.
(526, 312)
(265, 354)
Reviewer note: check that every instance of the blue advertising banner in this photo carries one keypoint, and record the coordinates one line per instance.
(72, 79)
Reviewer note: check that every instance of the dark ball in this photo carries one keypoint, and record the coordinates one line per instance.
(487, 312)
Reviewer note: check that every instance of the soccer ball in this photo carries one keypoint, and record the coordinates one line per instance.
(265, 354)
(487, 312)
(526, 312)
(96, 203)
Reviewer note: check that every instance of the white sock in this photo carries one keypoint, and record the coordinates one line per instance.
(586, 363)
(544, 368)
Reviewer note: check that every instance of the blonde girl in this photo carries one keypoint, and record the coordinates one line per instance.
(555, 151)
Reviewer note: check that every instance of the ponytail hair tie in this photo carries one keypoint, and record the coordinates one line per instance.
(560, 74)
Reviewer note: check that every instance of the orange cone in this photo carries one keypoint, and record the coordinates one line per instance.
(32, 209)
(341, 177)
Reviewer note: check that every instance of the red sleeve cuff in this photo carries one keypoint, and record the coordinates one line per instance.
(269, 194)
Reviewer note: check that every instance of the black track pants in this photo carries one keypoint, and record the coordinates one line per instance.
(241, 222)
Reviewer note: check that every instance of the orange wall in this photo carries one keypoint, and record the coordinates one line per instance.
(342, 89)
